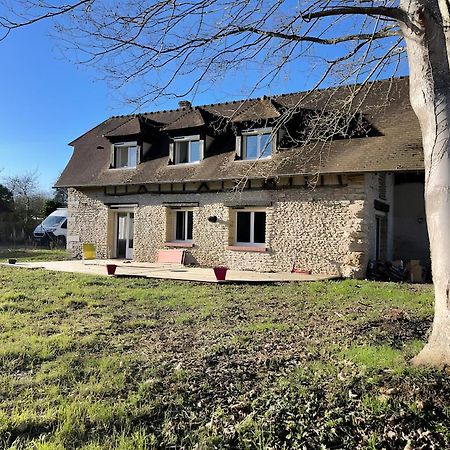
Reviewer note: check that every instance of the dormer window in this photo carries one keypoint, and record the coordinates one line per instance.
(257, 143)
(125, 155)
(187, 149)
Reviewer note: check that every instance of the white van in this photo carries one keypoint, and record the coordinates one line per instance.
(53, 230)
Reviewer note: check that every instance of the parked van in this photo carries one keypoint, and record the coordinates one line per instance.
(53, 230)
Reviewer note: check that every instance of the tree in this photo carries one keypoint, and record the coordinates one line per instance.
(6, 208)
(28, 203)
(50, 205)
(23, 188)
(167, 44)
(60, 197)
(6, 197)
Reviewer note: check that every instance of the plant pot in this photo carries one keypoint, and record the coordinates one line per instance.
(111, 268)
(12, 261)
(220, 272)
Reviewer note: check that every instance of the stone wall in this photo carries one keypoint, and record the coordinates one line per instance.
(321, 229)
(88, 222)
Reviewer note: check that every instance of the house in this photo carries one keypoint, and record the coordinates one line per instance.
(229, 185)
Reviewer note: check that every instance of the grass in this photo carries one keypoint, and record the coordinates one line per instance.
(102, 363)
(33, 254)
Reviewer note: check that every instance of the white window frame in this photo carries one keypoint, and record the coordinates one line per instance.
(252, 242)
(129, 145)
(188, 139)
(186, 211)
(257, 132)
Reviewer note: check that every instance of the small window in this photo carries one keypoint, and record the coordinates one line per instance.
(183, 225)
(125, 155)
(257, 144)
(250, 227)
(64, 224)
(187, 150)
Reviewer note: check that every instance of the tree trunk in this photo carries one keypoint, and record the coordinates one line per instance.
(426, 44)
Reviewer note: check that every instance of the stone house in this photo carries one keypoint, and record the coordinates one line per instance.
(231, 186)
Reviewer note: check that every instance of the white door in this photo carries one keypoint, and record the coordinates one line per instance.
(125, 235)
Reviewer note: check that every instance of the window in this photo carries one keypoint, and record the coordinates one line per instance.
(53, 221)
(187, 149)
(183, 225)
(257, 144)
(250, 227)
(125, 155)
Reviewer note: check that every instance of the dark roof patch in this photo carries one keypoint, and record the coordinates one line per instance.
(258, 110)
(192, 118)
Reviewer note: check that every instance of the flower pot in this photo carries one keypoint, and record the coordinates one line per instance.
(12, 261)
(111, 268)
(220, 272)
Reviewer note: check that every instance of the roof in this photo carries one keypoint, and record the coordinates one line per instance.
(192, 118)
(132, 126)
(257, 110)
(396, 147)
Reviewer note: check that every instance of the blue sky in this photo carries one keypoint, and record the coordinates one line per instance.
(47, 101)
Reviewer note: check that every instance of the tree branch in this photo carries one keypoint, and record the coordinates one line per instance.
(57, 11)
(386, 32)
(393, 13)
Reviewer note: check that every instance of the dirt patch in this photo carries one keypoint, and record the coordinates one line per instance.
(395, 327)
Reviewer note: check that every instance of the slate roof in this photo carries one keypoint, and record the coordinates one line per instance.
(260, 109)
(397, 147)
(192, 118)
(133, 126)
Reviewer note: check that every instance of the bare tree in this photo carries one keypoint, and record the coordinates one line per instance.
(168, 43)
(23, 188)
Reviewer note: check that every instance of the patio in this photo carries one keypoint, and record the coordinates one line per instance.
(167, 271)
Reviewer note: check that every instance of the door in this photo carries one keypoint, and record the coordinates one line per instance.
(125, 235)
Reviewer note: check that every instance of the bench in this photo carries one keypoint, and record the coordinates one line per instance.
(171, 256)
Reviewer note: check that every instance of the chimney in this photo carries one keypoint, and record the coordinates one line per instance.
(185, 104)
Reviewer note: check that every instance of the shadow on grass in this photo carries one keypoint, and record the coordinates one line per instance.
(33, 254)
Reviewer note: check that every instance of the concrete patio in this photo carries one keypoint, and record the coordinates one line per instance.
(167, 271)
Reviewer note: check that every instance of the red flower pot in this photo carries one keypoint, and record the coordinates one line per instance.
(111, 268)
(220, 272)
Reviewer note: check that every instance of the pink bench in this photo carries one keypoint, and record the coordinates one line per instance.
(171, 256)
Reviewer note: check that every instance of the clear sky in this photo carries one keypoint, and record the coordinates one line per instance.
(47, 101)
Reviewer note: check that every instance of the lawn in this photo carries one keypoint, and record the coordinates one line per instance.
(103, 363)
(33, 254)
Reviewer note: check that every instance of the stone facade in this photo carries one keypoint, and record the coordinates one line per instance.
(325, 229)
